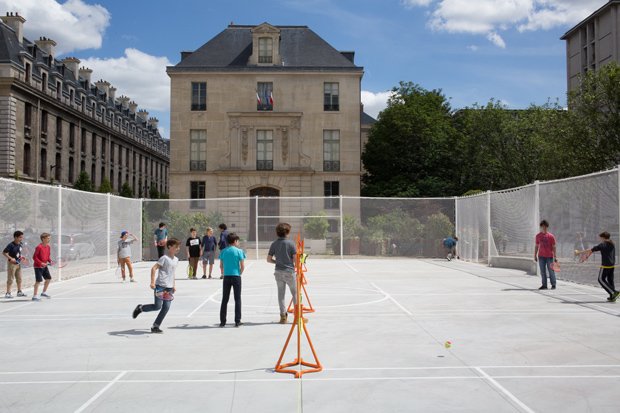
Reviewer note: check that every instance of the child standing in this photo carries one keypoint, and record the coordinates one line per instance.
(123, 254)
(223, 243)
(282, 253)
(163, 286)
(232, 266)
(41, 259)
(160, 239)
(608, 262)
(545, 254)
(208, 252)
(13, 254)
(193, 249)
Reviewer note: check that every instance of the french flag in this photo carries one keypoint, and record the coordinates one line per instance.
(258, 98)
(271, 98)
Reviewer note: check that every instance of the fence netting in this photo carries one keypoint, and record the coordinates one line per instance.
(473, 227)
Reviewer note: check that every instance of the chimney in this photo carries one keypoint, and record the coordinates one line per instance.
(153, 123)
(143, 114)
(15, 22)
(73, 64)
(104, 86)
(47, 45)
(124, 101)
(85, 74)
(132, 107)
(112, 92)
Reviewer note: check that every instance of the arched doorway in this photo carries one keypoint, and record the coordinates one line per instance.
(267, 207)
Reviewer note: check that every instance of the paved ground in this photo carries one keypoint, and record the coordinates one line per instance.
(379, 330)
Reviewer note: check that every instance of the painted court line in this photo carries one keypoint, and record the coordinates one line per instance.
(505, 391)
(100, 392)
(209, 298)
(350, 266)
(392, 299)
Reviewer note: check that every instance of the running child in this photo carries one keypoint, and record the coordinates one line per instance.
(13, 255)
(193, 249)
(608, 263)
(41, 259)
(450, 245)
(163, 285)
(123, 254)
(282, 253)
(232, 266)
(545, 254)
(208, 252)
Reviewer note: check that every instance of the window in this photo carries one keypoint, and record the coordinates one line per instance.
(57, 167)
(119, 183)
(197, 194)
(93, 173)
(58, 90)
(264, 96)
(44, 124)
(58, 130)
(111, 154)
(71, 97)
(103, 145)
(331, 188)
(93, 146)
(43, 165)
(82, 167)
(83, 141)
(199, 96)
(331, 100)
(72, 136)
(26, 166)
(71, 170)
(331, 150)
(44, 82)
(264, 150)
(28, 72)
(112, 177)
(27, 119)
(265, 50)
(198, 150)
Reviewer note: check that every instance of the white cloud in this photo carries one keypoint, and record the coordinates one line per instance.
(138, 75)
(74, 25)
(489, 17)
(473, 47)
(374, 102)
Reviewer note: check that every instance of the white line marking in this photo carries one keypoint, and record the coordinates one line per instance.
(100, 392)
(350, 266)
(505, 391)
(392, 299)
(32, 302)
(209, 298)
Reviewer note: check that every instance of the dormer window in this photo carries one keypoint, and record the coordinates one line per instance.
(265, 50)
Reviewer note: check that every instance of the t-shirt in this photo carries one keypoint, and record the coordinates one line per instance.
(41, 256)
(283, 250)
(449, 242)
(167, 267)
(545, 243)
(194, 246)
(161, 234)
(608, 253)
(208, 242)
(223, 240)
(14, 250)
(124, 249)
(230, 258)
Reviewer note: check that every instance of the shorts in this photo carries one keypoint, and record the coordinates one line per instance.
(13, 271)
(208, 257)
(41, 274)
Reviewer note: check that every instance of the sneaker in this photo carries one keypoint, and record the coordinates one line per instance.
(156, 330)
(36, 299)
(131, 280)
(137, 311)
(238, 324)
(204, 277)
(553, 287)
(123, 280)
(283, 318)
(221, 277)
(21, 294)
(8, 295)
(210, 277)
(222, 325)
(46, 295)
(542, 287)
(614, 296)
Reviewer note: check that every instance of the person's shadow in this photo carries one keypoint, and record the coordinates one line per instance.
(228, 325)
(133, 333)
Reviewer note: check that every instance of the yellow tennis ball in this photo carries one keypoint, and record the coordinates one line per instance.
(448, 344)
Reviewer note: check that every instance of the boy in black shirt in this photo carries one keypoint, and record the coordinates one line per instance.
(608, 262)
(194, 251)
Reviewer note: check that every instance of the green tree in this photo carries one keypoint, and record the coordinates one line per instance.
(153, 192)
(83, 182)
(126, 191)
(106, 186)
(17, 204)
(409, 149)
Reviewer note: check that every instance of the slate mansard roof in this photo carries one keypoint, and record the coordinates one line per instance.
(300, 49)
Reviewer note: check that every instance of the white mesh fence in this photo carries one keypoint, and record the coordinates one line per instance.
(513, 222)
(472, 217)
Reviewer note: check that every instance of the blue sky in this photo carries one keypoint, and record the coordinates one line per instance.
(473, 50)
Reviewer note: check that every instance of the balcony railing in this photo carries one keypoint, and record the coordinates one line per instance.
(331, 166)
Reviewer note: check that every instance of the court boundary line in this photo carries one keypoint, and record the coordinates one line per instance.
(100, 392)
(503, 390)
(409, 313)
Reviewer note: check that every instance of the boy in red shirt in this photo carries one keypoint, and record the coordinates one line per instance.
(545, 254)
(41, 259)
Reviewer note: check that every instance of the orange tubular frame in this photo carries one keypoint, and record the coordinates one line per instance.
(300, 327)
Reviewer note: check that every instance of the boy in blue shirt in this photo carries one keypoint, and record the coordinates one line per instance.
(450, 245)
(232, 266)
(208, 252)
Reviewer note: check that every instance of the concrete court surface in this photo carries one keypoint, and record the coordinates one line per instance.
(379, 330)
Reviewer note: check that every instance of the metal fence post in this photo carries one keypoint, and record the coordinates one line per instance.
(341, 230)
(456, 216)
(489, 231)
(59, 232)
(108, 230)
(256, 224)
(536, 214)
(141, 233)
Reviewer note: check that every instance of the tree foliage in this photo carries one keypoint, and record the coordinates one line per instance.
(106, 186)
(83, 182)
(126, 191)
